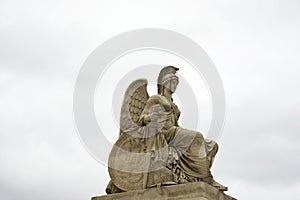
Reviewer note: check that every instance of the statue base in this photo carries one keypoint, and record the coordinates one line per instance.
(192, 191)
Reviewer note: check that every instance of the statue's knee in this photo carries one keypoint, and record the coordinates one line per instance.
(216, 147)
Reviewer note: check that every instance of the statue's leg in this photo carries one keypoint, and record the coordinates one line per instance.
(212, 149)
(192, 152)
(196, 155)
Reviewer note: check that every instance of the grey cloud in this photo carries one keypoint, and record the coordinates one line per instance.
(255, 46)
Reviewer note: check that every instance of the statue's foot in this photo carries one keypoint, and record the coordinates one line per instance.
(218, 185)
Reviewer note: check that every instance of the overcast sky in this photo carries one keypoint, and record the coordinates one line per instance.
(254, 44)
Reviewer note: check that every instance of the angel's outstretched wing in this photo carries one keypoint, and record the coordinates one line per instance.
(134, 102)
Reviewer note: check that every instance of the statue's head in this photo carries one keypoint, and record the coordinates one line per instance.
(167, 79)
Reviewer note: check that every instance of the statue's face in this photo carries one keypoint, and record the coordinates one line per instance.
(173, 85)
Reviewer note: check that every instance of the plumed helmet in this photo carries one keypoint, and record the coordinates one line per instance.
(168, 70)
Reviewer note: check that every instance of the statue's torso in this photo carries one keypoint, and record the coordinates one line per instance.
(170, 112)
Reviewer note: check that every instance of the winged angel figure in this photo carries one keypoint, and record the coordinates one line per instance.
(152, 149)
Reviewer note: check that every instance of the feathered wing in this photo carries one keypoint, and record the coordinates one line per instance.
(125, 158)
(135, 100)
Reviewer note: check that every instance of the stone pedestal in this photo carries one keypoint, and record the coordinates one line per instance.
(191, 191)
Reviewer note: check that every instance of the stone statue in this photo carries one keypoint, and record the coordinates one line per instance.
(152, 150)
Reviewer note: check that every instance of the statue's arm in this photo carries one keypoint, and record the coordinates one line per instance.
(145, 116)
(177, 112)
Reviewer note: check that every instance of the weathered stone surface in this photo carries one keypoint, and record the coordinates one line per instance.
(190, 191)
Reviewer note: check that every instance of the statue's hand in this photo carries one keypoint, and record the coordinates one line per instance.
(144, 119)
